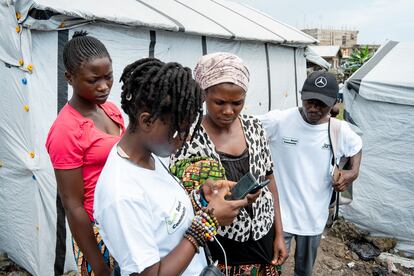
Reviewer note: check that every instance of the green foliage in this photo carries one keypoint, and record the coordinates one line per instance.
(356, 59)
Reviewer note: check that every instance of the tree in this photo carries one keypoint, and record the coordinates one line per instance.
(358, 57)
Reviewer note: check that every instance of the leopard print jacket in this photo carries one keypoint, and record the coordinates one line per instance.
(244, 227)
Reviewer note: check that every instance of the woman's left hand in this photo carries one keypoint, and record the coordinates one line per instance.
(280, 252)
(213, 187)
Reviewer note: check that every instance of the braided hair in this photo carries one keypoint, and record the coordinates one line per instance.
(161, 88)
(82, 48)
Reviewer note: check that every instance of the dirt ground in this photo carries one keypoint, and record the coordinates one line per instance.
(334, 257)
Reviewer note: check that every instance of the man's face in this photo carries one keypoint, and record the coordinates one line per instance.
(315, 112)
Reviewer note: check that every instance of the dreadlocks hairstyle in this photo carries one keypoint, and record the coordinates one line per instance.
(82, 48)
(161, 88)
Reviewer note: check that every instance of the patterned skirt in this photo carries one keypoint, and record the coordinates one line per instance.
(84, 267)
(252, 270)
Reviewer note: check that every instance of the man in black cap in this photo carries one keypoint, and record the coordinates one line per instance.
(302, 155)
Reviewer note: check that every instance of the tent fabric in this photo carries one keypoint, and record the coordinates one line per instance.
(313, 57)
(11, 53)
(383, 110)
(325, 51)
(216, 18)
(27, 187)
(33, 230)
(377, 79)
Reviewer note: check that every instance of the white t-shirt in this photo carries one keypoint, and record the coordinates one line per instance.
(142, 214)
(302, 164)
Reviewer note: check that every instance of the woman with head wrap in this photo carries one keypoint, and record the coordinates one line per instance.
(254, 243)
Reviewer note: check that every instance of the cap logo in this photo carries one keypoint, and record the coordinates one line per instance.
(321, 82)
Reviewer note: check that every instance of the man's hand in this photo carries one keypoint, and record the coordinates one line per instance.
(346, 177)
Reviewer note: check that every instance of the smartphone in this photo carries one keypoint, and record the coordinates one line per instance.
(247, 184)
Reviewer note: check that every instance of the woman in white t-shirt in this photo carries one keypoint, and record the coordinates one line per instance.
(145, 216)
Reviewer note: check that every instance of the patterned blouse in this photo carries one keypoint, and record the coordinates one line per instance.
(244, 227)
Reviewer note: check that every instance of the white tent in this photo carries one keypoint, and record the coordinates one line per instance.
(379, 99)
(315, 58)
(32, 34)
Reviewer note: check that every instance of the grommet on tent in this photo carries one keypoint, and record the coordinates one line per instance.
(18, 29)
(24, 81)
(32, 154)
(62, 25)
(34, 177)
(30, 67)
(18, 15)
(26, 108)
(21, 62)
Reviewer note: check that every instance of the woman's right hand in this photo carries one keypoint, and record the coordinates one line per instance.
(224, 210)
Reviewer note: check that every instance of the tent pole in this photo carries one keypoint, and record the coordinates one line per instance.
(296, 77)
(269, 87)
(153, 40)
(62, 98)
(204, 44)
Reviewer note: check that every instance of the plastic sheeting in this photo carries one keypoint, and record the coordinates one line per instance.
(384, 192)
(216, 18)
(10, 54)
(27, 185)
(30, 100)
(288, 73)
(316, 59)
(391, 78)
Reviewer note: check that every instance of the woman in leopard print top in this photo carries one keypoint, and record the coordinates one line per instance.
(254, 242)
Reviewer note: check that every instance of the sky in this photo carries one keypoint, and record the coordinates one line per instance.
(376, 20)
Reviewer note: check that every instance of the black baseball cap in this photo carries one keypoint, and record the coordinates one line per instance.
(321, 85)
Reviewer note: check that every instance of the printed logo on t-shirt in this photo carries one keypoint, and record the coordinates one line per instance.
(177, 215)
(290, 141)
(326, 146)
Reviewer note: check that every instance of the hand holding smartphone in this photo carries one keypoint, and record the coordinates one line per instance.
(247, 184)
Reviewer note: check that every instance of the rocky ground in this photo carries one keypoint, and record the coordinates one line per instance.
(7, 267)
(335, 258)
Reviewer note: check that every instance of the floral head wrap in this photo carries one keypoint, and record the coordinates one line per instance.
(219, 68)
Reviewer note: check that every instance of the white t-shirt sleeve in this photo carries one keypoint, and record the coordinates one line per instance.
(125, 226)
(351, 143)
(270, 122)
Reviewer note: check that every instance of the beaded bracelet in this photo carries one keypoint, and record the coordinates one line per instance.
(198, 199)
(197, 234)
(203, 227)
(203, 200)
(210, 212)
(206, 223)
(195, 200)
(192, 241)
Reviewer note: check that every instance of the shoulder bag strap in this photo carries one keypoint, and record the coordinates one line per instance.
(333, 134)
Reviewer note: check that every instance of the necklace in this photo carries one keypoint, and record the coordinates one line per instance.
(121, 152)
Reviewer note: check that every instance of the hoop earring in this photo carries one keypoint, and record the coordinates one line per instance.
(128, 97)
